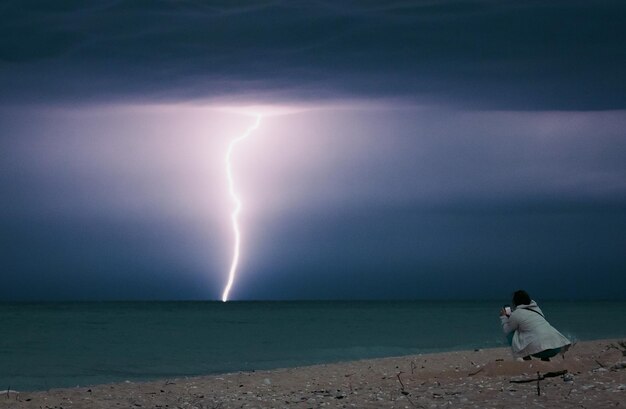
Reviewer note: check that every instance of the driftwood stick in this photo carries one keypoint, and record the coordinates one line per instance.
(554, 374)
(538, 385)
(404, 392)
(400, 380)
(540, 377)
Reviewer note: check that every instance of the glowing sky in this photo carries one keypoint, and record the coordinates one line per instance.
(237, 203)
(408, 149)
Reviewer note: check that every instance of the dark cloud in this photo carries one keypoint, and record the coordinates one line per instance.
(522, 55)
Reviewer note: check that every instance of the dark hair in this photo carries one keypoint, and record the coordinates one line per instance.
(521, 297)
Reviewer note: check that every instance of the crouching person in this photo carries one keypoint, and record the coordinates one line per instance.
(528, 331)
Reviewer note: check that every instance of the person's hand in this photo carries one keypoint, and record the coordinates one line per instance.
(502, 312)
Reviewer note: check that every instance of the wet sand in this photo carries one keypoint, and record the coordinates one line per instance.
(595, 377)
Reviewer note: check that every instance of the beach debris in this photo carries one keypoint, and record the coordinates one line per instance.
(599, 363)
(480, 368)
(568, 377)
(267, 381)
(541, 377)
(400, 380)
(621, 346)
(404, 392)
(537, 379)
(618, 365)
(538, 384)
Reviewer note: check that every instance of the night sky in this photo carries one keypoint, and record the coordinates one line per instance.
(409, 149)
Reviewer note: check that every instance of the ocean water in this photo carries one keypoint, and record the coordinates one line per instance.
(48, 345)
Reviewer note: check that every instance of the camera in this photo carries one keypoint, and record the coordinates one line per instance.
(507, 310)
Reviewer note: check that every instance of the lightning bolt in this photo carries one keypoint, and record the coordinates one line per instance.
(237, 209)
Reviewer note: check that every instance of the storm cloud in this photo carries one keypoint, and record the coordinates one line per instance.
(560, 55)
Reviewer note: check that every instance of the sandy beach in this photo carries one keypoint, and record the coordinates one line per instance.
(591, 375)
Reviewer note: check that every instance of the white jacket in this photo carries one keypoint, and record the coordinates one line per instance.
(533, 333)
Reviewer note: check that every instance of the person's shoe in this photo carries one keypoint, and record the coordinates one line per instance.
(527, 358)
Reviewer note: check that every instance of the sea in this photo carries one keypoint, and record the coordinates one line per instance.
(51, 345)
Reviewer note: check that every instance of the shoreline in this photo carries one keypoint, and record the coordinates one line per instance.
(595, 377)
